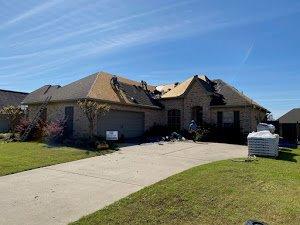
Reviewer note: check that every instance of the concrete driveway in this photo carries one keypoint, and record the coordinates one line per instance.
(65, 192)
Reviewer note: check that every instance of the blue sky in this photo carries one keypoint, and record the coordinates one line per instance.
(253, 45)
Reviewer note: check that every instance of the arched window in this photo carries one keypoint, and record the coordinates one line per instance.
(197, 115)
(174, 119)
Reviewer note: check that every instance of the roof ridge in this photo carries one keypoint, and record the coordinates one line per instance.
(92, 86)
(17, 92)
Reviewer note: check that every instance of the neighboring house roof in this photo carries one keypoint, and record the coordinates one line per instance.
(182, 88)
(96, 86)
(233, 97)
(292, 116)
(8, 98)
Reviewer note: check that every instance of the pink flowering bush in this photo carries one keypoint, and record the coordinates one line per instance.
(54, 131)
(22, 125)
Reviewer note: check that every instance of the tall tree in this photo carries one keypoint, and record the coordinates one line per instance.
(91, 109)
(13, 114)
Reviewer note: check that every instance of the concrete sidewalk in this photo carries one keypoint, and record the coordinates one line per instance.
(65, 192)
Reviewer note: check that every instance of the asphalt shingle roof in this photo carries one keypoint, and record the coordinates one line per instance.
(11, 98)
(233, 97)
(292, 116)
(96, 86)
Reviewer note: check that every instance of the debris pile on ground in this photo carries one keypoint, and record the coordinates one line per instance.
(174, 137)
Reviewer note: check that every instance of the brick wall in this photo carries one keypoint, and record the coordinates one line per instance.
(196, 96)
(56, 111)
(249, 117)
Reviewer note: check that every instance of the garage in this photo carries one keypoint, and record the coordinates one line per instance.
(4, 124)
(129, 124)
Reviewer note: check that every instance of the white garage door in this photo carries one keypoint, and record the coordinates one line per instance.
(129, 124)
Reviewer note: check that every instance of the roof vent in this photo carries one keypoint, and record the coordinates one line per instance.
(114, 82)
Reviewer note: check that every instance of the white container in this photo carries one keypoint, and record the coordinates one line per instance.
(263, 143)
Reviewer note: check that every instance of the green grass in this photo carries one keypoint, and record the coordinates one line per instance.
(19, 156)
(224, 192)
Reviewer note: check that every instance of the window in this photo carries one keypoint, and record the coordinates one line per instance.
(236, 119)
(219, 119)
(174, 119)
(197, 115)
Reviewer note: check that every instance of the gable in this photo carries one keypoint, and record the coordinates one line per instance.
(181, 89)
(196, 90)
(292, 116)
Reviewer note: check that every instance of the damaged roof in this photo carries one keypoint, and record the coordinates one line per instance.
(181, 89)
(96, 86)
(13, 98)
(232, 96)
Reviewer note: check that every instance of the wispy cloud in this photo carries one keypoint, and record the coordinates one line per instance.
(88, 28)
(33, 11)
(248, 53)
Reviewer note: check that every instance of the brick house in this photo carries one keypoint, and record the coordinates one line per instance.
(136, 106)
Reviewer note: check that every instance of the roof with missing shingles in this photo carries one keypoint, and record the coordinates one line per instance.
(181, 88)
(96, 86)
(232, 96)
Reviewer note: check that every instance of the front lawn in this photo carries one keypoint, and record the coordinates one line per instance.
(20, 156)
(224, 192)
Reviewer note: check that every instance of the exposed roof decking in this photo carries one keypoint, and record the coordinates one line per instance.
(96, 86)
(181, 88)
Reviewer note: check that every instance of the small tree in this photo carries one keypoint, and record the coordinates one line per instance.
(13, 114)
(91, 109)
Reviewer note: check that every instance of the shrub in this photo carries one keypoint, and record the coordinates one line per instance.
(203, 134)
(96, 143)
(53, 131)
(13, 114)
(22, 126)
(9, 137)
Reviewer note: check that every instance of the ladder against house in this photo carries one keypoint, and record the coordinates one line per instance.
(36, 119)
